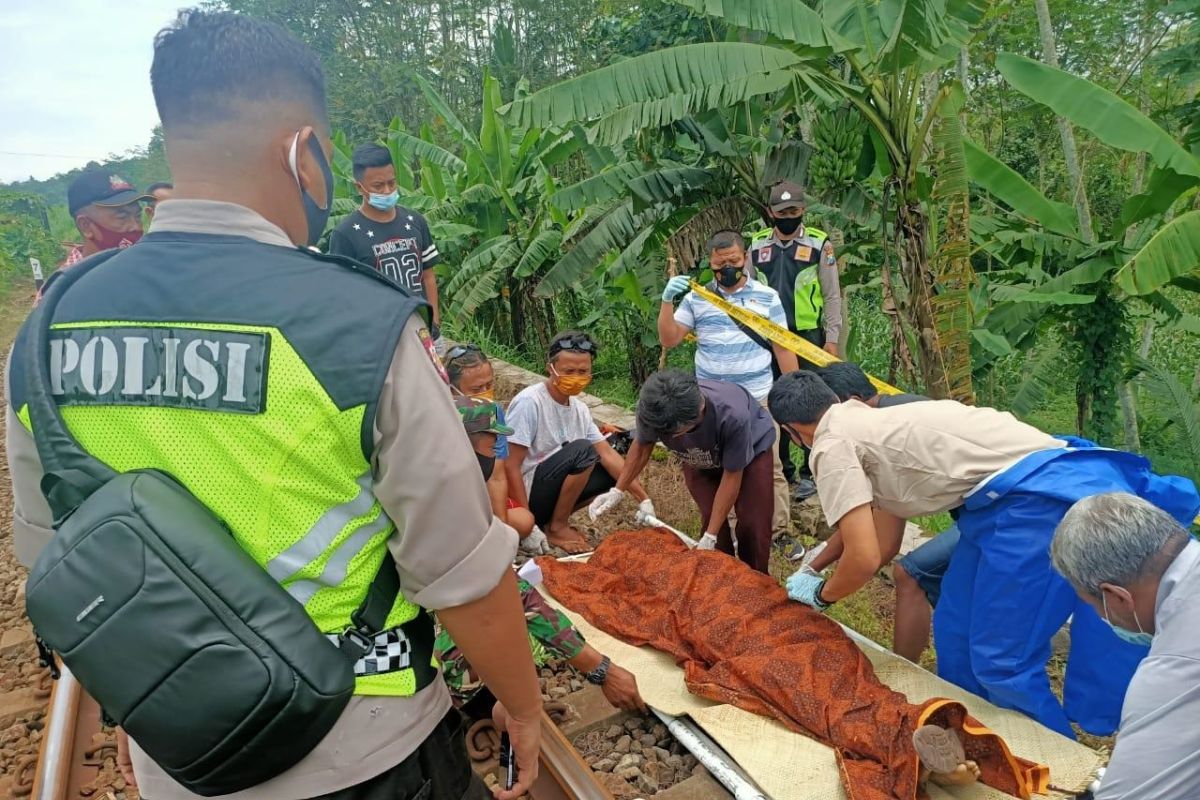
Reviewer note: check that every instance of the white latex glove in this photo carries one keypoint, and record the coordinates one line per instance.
(647, 507)
(675, 287)
(707, 542)
(535, 544)
(808, 570)
(806, 589)
(604, 503)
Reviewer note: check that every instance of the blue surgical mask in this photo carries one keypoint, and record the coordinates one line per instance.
(384, 202)
(1140, 637)
(315, 214)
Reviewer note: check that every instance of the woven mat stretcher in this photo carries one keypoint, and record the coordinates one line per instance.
(789, 765)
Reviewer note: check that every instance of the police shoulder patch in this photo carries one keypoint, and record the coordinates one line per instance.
(763, 254)
(431, 350)
(193, 368)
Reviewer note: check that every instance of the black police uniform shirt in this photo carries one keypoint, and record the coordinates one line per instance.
(401, 249)
(779, 263)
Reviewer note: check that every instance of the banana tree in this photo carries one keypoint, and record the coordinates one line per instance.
(485, 195)
(878, 57)
(1161, 254)
(1050, 266)
(670, 190)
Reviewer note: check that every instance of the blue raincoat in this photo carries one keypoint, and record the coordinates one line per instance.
(1002, 600)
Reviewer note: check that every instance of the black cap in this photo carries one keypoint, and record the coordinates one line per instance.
(102, 188)
(785, 195)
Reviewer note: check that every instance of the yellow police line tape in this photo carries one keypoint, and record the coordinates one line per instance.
(782, 336)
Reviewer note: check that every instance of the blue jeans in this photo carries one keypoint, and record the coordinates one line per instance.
(927, 564)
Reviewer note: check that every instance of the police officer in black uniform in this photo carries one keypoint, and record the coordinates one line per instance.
(798, 262)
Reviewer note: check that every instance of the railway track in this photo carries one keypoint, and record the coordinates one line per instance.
(77, 760)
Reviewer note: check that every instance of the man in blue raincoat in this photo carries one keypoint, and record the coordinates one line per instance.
(1001, 599)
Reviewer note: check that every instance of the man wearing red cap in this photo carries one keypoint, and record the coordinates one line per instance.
(107, 211)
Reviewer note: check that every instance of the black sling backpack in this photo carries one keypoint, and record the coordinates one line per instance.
(207, 663)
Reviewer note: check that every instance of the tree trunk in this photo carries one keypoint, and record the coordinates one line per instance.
(1128, 391)
(912, 233)
(964, 67)
(1070, 152)
(516, 307)
(1133, 442)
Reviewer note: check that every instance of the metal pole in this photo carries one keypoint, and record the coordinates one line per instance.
(714, 759)
(649, 520)
(54, 765)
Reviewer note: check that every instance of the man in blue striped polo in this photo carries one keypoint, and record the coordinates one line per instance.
(726, 350)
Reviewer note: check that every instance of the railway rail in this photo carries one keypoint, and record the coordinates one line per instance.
(78, 757)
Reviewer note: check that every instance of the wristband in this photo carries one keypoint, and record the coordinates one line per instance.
(821, 602)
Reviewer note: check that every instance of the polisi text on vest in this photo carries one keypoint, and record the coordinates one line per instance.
(197, 368)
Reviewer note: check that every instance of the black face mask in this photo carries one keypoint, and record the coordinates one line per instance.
(487, 464)
(789, 225)
(315, 214)
(728, 276)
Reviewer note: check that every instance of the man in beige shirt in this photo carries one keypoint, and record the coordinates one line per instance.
(877, 468)
(242, 104)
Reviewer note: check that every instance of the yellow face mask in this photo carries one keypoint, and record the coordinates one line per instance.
(570, 385)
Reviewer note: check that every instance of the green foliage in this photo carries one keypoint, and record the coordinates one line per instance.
(1099, 347)
(1173, 252)
(24, 234)
(658, 88)
(997, 178)
(1097, 110)
(1183, 414)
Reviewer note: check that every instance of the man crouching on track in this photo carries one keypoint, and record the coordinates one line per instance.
(325, 441)
(1001, 600)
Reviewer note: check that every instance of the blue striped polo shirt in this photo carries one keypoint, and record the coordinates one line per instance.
(723, 352)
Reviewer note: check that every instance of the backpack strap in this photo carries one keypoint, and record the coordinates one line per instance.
(71, 474)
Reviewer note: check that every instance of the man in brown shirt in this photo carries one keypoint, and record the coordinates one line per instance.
(876, 468)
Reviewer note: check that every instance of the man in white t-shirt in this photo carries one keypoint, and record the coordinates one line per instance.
(555, 447)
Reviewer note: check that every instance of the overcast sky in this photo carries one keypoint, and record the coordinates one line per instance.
(75, 81)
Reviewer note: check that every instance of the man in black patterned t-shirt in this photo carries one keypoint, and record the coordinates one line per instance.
(389, 237)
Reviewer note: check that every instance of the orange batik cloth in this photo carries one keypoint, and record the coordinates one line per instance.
(741, 641)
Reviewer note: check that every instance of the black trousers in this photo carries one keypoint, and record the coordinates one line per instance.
(817, 337)
(574, 457)
(438, 770)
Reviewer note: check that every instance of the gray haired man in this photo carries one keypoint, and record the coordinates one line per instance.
(1135, 565)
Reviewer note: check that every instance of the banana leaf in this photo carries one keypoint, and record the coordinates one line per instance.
(1172, 252)
(1097, 110)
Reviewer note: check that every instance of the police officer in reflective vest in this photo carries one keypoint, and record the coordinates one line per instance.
(798, 262)
(299, 399)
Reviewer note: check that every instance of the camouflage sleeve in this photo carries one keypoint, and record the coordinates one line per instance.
(548, 626)
(456, 670)
(550, 634)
